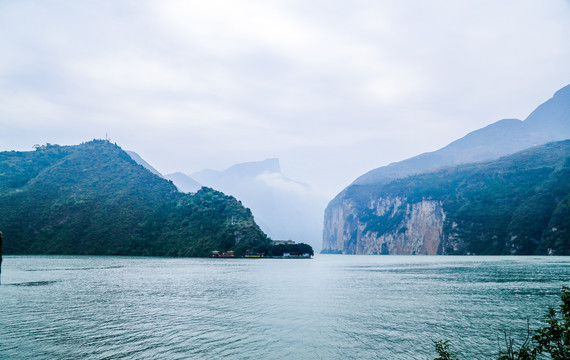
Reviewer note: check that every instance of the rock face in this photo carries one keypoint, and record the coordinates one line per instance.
(414, 228)
(401, 226)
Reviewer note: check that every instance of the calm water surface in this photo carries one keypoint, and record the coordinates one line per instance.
(330, 307)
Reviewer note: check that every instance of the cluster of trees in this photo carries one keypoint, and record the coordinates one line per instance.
(196, 224)
(94, 199)
(519, 204)
(552, 340)
(293, 249)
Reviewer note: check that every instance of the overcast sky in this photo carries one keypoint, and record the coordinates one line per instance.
(332, 88)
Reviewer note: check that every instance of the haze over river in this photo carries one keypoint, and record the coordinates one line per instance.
(329, 307)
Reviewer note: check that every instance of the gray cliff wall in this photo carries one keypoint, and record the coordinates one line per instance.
(340, 228)
(389, 225)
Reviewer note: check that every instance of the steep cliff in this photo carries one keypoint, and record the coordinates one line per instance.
(348, 216)
(389, 225)
(392, 226)
(518, 204)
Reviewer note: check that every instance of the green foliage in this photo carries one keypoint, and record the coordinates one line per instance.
(94, 199)
(294, 249)
(198, 223)
(553, 339)
(442, 349)
(519, 204)
(523, 352)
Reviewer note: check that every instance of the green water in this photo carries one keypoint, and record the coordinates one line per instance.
(330, 307)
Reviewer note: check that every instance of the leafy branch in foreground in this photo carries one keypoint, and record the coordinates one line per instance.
(524, 352)
(442, 349)
(552, 339)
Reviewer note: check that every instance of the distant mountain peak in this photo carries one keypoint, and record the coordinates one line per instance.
(553, 116)
(548, 122)
(254, 168)
(564, 92)
(184, 182)
(139, 160)
(284, 208)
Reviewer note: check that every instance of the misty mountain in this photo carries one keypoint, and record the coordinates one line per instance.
(548, 122)
(95, 199)
(239, 172)
(184, 182)
(139, 160)
(283, 208)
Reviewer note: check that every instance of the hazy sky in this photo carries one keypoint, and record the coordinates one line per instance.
(332, 88)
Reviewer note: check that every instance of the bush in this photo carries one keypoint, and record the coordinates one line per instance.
(552, 339)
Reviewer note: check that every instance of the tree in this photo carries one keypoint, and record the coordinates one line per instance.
(524, 352)
(553, 339)
(442, 349)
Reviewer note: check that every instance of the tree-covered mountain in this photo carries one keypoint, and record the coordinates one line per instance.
(94, 198)
(518, 204)
(549, 122)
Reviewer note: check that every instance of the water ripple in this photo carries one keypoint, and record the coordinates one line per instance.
(332, 307)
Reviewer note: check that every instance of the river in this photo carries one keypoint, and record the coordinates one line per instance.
(329, 307)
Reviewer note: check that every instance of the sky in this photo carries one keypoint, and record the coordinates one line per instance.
(331, 88)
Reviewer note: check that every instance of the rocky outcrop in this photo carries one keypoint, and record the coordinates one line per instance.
(388, 225)
(339, 228)
(364, 219)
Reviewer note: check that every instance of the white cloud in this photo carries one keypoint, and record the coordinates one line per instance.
(332, 88)
(280, 182)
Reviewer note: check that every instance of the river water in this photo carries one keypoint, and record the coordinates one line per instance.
(329, 307)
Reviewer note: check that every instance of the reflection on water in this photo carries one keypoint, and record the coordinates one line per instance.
(330, 307)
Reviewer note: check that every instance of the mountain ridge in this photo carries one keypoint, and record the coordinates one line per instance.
(512, 135)
(517, 204)
(550, 121)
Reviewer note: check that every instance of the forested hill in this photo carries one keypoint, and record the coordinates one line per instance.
(518, 204)
(94, 199)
